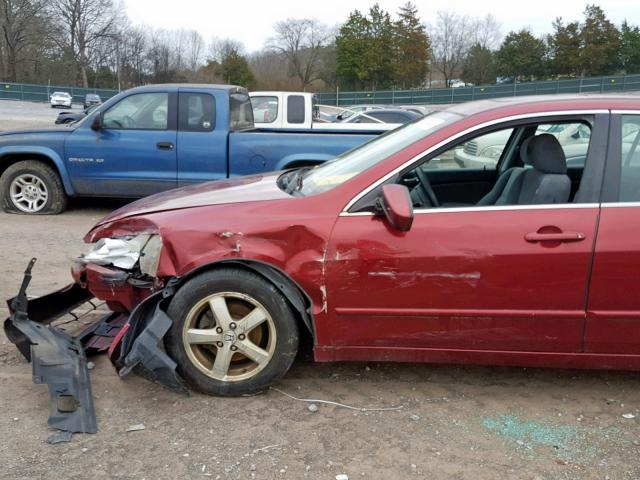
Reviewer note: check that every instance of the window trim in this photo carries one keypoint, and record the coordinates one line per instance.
(469, 131)
(172, 103)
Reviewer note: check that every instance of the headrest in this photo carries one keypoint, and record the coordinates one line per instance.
(544, 153)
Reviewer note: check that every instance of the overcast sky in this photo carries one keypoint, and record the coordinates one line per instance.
(251, 21)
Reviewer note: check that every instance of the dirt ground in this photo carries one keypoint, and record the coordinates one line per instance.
(455, 422)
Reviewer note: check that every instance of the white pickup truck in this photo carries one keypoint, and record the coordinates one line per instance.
(301, 111)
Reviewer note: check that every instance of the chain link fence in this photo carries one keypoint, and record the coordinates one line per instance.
(619, 83)
(606, 84)
(41, 93)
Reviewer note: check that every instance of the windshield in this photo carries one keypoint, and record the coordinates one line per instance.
(335, 172)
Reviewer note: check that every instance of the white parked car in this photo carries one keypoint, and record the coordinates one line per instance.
(61, 99)
(485, 151)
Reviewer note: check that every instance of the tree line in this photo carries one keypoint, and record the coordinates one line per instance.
(92, 43)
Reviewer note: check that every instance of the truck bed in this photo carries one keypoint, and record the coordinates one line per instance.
(262, 150)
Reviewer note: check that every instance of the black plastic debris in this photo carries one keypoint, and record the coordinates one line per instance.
(58, 361)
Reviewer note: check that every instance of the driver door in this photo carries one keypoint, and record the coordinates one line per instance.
(133, 154)
(469, 278)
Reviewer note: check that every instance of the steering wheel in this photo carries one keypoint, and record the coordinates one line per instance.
(425, 185)
(127, 121)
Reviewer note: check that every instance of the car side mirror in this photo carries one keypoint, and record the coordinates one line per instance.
(96, 124)
(396, 205)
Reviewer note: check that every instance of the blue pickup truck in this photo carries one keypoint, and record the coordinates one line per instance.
(150, 139)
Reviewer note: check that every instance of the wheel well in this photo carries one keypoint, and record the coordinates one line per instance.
(298, 300)
(11, 158)
(303, 163)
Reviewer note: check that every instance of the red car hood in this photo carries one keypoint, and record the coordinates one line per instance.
(234, 190)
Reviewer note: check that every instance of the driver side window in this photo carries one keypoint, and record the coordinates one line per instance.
(534, 164)
(142, 111)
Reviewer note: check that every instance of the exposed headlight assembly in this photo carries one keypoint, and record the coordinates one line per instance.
(126, 252)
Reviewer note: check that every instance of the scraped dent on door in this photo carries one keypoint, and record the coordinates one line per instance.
(409, 277)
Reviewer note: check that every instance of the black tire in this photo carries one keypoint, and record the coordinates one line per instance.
(57, 199)
(241, 282)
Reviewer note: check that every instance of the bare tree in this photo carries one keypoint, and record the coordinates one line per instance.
(451, 41)
(84, 24)
(221, 48)
(16, 27)
(487, 32)
(131, 61)
(302, 42)
(195, 47)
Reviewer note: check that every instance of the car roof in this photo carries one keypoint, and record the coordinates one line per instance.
(535, 103)
(176, 86)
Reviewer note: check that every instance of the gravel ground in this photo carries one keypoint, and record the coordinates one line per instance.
(455, 422)
(15, 115)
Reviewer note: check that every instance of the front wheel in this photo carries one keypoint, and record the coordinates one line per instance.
(233, 332)
(32, 187)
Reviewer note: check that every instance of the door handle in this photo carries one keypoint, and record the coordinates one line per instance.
(554, 237)
(165, 145)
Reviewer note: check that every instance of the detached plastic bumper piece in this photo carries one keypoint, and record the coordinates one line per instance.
(58, 359)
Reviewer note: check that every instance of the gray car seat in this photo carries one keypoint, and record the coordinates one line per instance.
(547, 182)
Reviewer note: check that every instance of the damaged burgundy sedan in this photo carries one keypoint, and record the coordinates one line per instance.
(396, 251)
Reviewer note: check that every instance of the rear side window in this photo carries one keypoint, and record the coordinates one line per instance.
(196, 112)
(630, 168)
(240, 112)
(295, 109)
(265, 109)
(389, 117)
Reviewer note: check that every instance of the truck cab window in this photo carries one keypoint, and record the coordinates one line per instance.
(196, 112)
(142, 111)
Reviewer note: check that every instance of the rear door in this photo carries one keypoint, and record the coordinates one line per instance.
(133, 154)
(613, 321)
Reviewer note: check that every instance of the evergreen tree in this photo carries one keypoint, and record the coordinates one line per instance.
(630, 48)
(379, 55)
(234, 70)
(522, 55)
(600, 43)
(351, 45)
(411, 45)
(479, 66)
(364, 50)
(564, 48)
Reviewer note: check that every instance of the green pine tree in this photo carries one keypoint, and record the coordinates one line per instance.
(411, 48)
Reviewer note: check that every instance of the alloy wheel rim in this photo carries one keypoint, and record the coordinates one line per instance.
(229, 336)
(28, 193)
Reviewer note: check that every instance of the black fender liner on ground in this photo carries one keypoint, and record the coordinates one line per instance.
(57, 358)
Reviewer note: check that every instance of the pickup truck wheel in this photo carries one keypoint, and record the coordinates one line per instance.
(32, 187)
(233, 332)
